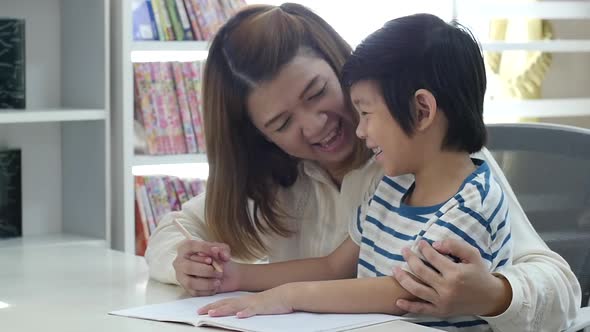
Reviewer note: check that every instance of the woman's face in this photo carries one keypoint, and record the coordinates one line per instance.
(302, 111)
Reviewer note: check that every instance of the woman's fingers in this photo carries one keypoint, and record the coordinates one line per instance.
(439, 261)
(415, 287)
(216, 250)
(420, 269)
(415, 307)
(462, 250)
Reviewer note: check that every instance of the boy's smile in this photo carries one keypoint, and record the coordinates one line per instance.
(382, 134)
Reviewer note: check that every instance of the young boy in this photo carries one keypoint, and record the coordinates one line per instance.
(418, 85)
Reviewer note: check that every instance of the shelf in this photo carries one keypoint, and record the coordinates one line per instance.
(143, 160)
(151, 46)
(50, 115)
(49, 240)
(539, 108)
(515, 9)
(545, 46)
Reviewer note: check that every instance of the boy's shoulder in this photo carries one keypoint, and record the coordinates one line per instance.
(482, 193)
(394, 186)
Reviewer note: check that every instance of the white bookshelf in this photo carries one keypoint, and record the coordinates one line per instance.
(144, 160)
(173, 46)
(64, 132)
(50, 115)
(124, 52)
(565, 93)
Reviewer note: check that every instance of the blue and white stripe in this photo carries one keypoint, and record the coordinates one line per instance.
(477, 214)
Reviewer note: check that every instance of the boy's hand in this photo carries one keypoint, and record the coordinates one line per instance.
(271, 302)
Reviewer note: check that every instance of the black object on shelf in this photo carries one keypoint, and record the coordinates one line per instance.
(10, 194)
(12, 63)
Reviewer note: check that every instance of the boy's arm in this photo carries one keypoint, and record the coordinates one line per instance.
(340, 264)
(364, 295)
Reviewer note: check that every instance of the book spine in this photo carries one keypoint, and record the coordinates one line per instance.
(193, 20)
(185, 113)
(184, 21)
(165, 19)
(142, 26)
(197, 114)
(149, 208)
(158, 19)
(173, 200)
(200, 11)
(153, 20)
(180, 191)
(158, 102)
(143, 103)
(141, 225)
(175, 129)
(174, 20)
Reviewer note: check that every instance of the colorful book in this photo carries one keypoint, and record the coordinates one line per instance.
(143, 104)
(184, 21)
(175, 129)
(192, 17)
(142, 21)
(12, 63)
(157, 19)
(192, 75)
(180, 191)
(183, 106)
(174, 19)
(141, 237)
(163, 128)
(10, 194)
(173, 201)
(164, 19)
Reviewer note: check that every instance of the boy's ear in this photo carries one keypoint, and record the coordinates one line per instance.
(424, 109)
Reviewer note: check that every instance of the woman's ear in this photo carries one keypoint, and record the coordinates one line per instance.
(424, 109)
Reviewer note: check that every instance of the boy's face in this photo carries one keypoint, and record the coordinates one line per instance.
(390, 144)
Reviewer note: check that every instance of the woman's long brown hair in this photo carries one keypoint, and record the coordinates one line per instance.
(251, 48)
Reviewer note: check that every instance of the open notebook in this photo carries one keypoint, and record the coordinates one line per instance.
(185, 311)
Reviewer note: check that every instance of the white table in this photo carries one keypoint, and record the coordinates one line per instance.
(72, 286)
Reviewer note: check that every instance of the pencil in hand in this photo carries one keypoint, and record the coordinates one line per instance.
(188, 236)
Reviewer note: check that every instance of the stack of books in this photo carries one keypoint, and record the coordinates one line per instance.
(168, 106)
(181, 19)
(156, 196)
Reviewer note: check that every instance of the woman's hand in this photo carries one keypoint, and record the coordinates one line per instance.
(271, 302)
(463, 288)
(195, 272)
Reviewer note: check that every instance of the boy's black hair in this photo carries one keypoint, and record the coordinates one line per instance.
(423, 52)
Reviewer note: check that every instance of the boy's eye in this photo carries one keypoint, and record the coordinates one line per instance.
(284, 125)
(319, 93)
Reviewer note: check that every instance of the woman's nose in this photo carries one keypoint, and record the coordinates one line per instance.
(313, 124)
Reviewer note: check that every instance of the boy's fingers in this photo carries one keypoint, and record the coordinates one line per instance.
(248, 312)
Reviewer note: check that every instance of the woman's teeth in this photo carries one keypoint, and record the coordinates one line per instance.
(329, 138)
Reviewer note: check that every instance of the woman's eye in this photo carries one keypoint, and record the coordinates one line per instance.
(319, 93)
(284, 125)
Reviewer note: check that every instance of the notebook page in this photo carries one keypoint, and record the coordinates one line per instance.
(184, 311)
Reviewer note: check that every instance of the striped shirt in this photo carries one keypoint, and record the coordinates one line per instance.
(477, 214)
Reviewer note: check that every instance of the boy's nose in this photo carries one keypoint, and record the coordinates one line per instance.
(360, 131)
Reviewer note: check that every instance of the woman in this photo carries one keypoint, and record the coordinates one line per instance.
(287, 176)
